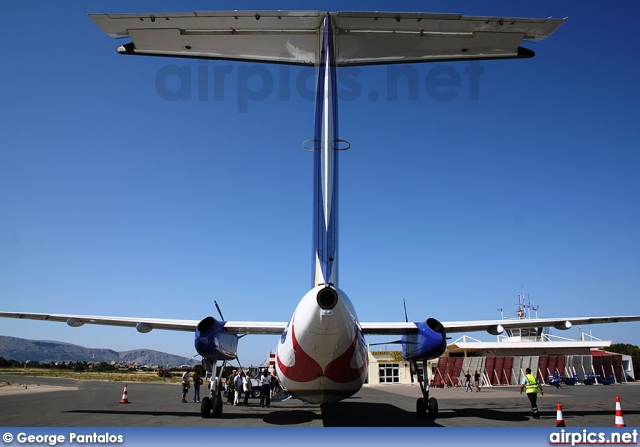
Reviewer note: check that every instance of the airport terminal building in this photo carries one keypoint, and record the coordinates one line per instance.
(502, 362)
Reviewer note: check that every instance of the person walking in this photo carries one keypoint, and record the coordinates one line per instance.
(197, 381)
(275, 383)
(476, 378)
(185, 385)
(467, 382)
(265, 383)
(530, 382)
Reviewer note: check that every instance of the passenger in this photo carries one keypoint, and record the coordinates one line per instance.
(246, 387)
(197, 381)
(214, 387)
(275, 383)
(467, 382)
(530, 382)
(238, 385)
(231, 391)
(476, 378)
(185, 385)
(265, 394)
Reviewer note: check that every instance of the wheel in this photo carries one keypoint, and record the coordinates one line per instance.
(421, 408)
(432, 408)
(256, 392)
(205, 407)
(216, 407)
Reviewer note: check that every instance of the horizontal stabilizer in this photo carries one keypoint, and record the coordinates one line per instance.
(361, 38)
(376, 37)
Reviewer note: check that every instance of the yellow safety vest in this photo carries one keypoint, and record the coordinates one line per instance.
(532, 384)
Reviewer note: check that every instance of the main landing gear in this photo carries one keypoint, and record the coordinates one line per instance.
(424, 405)
(211, 407)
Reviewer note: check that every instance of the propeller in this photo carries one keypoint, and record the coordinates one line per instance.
(396, 342)
(239, 337)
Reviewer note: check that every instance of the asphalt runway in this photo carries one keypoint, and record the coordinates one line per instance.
(51, 402)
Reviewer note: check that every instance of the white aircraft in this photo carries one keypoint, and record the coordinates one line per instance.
(322, 355)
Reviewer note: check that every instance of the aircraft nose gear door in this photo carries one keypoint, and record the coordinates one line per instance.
(425, 405)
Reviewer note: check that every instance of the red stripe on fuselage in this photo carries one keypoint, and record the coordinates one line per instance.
(340, 369)
(306, 369)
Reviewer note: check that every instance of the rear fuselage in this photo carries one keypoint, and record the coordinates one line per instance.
(322, 356)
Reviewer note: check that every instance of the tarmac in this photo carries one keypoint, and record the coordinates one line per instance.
(54, 402)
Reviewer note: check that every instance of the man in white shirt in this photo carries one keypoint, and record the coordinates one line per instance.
(237, 383)
(214, 387)
(185, 385)
(246, 387)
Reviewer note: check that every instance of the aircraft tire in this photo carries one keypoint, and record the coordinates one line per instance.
(256, 392)
(216, 407)
(421, 408)
(205, 407)
(432, 408)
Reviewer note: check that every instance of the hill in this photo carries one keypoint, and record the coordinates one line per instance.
(44, 351)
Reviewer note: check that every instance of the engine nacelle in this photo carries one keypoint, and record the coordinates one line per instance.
(563, 325)
(429, 343)
(495, 330)
(213, 342)
(74, 322)
(144, 328)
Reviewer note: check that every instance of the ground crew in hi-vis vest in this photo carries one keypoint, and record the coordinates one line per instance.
(532, 385)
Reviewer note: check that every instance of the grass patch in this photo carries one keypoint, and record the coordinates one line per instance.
(111, 376)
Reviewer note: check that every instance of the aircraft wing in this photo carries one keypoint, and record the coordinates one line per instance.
(79, 320)
(276, 328)
(494, 326)
(291, 36)
(148, 324)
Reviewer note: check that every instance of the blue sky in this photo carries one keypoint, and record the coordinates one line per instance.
(118, 198)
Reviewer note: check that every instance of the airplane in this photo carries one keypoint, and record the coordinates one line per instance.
(321, 356)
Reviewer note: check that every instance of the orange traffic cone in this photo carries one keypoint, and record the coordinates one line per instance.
(559, 417)
(124, 399)
(619, 416)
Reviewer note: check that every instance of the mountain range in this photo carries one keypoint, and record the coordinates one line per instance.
(44, 351)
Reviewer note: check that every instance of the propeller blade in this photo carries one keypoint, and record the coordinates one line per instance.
(218, 307)
(395, 342)
(406, 318)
